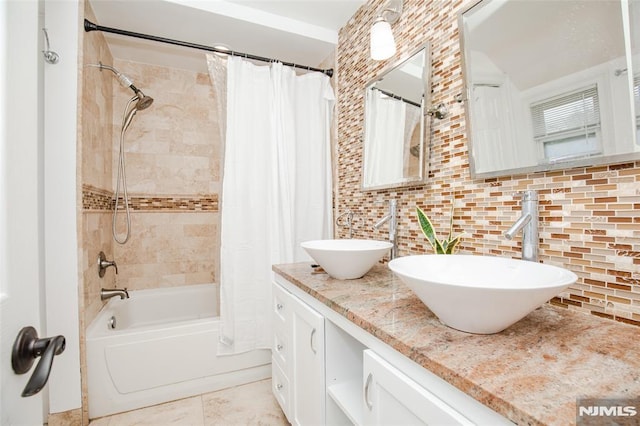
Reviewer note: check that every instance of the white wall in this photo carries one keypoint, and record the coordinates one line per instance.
(60, 170)
(20, 201)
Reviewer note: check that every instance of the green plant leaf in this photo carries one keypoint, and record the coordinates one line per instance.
(451, 246)
(447, 246)
(450, 222)
(427, 228)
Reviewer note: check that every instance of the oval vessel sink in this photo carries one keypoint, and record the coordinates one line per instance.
(346, 259)
(480, 294)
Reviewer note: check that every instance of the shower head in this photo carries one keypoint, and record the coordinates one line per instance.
(144, 101)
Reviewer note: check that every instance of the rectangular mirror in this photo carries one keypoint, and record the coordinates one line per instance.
(550, 84)
(394, 125)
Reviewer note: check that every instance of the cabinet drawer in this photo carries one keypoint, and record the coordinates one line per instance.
(280, 308)
(281, 388)
(281, 350)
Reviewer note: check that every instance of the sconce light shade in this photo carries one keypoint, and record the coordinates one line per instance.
(383, 45)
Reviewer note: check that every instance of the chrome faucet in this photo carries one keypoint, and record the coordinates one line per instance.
(103, 264)
(108, 293)
(347, 220)
(392, 218)
(528, 223)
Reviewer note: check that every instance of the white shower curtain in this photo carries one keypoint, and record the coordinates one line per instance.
(276, 189)
(385, 139)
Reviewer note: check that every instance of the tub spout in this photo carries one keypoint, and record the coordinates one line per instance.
(108, 293)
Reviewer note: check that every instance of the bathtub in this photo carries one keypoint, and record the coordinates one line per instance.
(161, 345)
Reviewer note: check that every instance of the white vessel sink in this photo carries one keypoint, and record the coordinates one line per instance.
(346, 259)
(480, 294)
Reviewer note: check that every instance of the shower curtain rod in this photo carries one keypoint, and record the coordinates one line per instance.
(394, 96)
(90, 26)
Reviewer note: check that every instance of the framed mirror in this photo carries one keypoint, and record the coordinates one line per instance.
(551, 84)
(394, 125)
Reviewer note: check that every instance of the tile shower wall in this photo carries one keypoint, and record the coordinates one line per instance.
(590, 217)
(173, 157)
(95, 150)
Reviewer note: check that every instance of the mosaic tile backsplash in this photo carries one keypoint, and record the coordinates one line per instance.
(589, 216)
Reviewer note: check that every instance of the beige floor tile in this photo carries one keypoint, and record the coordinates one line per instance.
(185, 412)
(102, 421)
(251, 404)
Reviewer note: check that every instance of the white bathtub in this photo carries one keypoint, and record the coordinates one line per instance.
(163, 347)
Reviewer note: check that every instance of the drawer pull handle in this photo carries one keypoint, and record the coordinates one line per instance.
(279, 347)
(279, 306)
(279, 386)
(366, 392)
(313, 332)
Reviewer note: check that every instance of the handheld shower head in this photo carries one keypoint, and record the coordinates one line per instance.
(144, 101)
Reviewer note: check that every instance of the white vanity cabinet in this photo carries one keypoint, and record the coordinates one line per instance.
(338, 374)
(298, 359)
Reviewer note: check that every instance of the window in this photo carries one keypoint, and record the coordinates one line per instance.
(568, 126)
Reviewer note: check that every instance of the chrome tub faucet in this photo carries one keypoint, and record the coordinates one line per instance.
(528, 223)
(108, 293)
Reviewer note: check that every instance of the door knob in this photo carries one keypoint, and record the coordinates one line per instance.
(26, 349)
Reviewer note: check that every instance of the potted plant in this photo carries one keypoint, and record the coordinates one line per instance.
(446, 246)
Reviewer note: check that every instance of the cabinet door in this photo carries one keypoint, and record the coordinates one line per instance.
(308, 365)
(392, 398)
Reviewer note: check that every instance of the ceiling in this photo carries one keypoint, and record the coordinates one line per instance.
(539, 41)
(300, 31)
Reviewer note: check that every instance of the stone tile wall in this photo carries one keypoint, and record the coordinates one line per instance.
(590, 217)
(95, 150)
(173, 157)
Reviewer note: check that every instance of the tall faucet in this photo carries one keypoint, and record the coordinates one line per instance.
(528, 223)
(108, 293)
(392, 218)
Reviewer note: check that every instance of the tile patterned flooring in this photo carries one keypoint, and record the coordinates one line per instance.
(250, 404)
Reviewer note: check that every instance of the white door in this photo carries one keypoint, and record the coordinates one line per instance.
(392, 398)
(20, 200)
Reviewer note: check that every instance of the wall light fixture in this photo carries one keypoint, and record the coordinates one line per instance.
(383, 45)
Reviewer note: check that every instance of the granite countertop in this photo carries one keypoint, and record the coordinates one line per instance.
(531, 373)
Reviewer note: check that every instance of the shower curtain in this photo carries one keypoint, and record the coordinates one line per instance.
(385, 139)
(276, 189)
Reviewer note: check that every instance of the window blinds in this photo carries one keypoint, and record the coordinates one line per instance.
(566, 116)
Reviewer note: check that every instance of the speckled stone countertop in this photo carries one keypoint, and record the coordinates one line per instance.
(531, 373)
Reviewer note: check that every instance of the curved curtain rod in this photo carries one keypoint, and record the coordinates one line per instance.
(90, 26)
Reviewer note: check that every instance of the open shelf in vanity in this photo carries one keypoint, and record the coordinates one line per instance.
(343, 376)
